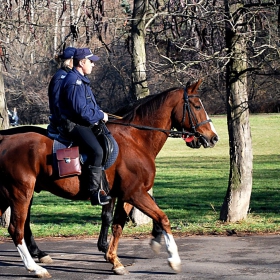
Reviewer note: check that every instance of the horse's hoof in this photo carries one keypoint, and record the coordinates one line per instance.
(42, 273)
(176, 266)
(155, 246)
(46, 275)
(120, 271)
(46, 259)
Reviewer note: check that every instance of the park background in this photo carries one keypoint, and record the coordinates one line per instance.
(190, 186)
(184, 41)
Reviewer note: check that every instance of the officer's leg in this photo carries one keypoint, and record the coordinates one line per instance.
(87, 141)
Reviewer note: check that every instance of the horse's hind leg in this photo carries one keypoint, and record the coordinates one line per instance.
(106, 217)
(19, 212)
(121, 212)
(33, 249)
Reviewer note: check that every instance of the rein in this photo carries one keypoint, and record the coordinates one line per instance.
(143, 127)
(184, 133)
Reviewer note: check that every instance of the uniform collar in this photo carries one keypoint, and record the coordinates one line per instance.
(80, 76)
(66, 68)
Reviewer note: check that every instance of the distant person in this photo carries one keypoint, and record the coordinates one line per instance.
(10, 116)
(66, 64)
(13, 117)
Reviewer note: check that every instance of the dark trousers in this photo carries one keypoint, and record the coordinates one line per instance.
(87, 142)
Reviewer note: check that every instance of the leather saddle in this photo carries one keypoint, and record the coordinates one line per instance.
(67, 155)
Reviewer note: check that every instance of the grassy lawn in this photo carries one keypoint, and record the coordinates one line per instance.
(190, 187)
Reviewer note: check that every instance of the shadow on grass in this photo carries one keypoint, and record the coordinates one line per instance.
(187, 189)
(199, 186)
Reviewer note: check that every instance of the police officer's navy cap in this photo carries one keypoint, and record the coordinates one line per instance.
(68, 53)
(85, 53)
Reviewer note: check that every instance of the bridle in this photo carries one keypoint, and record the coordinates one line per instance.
(192, 117)
(172, 132)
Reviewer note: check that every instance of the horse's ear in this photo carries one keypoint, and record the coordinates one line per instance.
(194, 87)
(199, 82)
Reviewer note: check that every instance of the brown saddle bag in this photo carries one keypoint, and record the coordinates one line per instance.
(68, 161)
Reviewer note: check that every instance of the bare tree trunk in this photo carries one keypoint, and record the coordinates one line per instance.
(55, 34)
(5, 218)
(139, 80)
(139, 218)
(4, 118)
(237, 199)
(138, 33)
(4, 124)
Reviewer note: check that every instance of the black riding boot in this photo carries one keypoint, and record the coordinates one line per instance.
(97, 196)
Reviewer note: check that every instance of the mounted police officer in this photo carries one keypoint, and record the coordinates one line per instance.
(66, 61)
(80, 114)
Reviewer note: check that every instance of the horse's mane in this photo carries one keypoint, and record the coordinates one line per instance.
(145, 106)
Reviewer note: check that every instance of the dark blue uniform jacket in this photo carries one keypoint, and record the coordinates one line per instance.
(53, 93)
(77, 102)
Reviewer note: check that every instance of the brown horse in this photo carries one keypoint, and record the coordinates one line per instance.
(140, 136)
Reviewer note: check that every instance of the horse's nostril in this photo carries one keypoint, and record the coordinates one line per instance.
(214, 139)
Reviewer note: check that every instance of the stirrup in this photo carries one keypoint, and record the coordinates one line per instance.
(98, 195)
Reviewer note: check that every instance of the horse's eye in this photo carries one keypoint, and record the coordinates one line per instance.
(197, 107)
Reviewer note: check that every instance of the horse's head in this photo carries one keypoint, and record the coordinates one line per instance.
(194, 120)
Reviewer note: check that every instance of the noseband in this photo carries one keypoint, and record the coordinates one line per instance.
(192, 118)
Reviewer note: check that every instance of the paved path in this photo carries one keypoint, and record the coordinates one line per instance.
(210, 257)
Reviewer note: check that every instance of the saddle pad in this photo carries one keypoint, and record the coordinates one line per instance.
(58, 145)
(68, 161)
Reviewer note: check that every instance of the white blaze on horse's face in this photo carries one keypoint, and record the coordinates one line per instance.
(210, 142)
(211, 124)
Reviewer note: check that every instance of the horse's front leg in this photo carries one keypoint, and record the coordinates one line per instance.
(157, 234)
(156, 241)
(121, 212)
(148, 206)
(106, 217)
(32, 247)
(19, 212)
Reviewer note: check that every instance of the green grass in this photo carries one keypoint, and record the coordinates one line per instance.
(190, 186)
